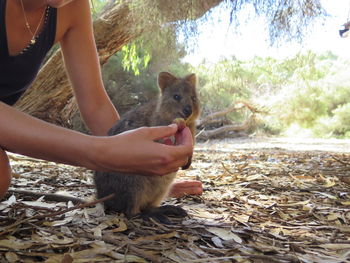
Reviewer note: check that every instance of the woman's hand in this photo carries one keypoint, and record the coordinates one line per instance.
(137, 151)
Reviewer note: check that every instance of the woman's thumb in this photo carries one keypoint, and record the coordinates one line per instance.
(160, 132)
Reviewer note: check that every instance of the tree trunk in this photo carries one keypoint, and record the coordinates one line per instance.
(51, 98)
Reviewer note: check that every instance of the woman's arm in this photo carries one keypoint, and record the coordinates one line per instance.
(21, 133)
(82, 65)
(134, 151)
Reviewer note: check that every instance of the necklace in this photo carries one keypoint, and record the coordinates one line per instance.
(33, 40)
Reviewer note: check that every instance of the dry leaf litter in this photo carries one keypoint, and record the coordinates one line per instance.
(262, 205)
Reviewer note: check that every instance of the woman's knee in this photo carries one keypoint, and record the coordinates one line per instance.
(5, 173)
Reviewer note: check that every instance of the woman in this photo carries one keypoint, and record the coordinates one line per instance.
(28, 29)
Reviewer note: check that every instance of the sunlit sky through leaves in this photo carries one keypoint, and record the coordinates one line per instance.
(218, 40)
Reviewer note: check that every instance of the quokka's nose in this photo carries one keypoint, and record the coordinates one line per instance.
(187, 111)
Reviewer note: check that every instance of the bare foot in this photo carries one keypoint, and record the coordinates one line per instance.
(182, 188)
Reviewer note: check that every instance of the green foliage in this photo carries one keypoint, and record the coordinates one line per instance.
(315, 97)
(306, 92)
(341, 117)
(303, 104)
(134, 59)
(223, 83)
(336, 124)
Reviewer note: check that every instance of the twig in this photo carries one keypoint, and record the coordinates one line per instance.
(341, 161)
(20, 205)
(227, 169)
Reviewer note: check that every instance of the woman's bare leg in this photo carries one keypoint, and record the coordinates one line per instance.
(5, 173)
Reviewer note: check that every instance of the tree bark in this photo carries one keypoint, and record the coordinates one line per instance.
(51, 98)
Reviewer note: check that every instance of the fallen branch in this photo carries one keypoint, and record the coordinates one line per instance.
(213, 118)
(47, 196)
(205, 135)
(226, 125)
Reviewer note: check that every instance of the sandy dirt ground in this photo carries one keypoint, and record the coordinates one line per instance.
(291, 144)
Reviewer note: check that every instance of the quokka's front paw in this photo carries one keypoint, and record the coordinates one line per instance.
(181, 123)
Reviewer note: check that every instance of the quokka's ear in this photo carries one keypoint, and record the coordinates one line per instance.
(192, 79)
(165, 79)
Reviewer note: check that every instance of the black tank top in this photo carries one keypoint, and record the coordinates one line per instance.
(19, 71)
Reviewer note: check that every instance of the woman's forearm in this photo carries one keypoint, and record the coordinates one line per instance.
(99, 116)
(23, 134)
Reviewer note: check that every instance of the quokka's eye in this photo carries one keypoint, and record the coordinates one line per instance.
(177, 97)
(194, 99)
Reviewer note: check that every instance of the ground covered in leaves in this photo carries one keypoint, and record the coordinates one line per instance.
(258, 205)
